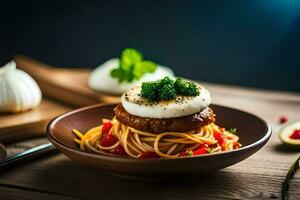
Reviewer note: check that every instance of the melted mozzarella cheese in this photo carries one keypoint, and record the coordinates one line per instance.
(134, 104)
(100, 79)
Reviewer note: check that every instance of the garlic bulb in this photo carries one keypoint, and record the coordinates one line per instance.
(18, 91)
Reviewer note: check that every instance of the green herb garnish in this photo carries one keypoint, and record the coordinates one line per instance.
(209, 150)
(189, 153)
(132, 66)
(285, 185)
(167, 89)
(232, 130)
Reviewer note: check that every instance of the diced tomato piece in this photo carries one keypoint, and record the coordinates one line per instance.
(236, 145)
(200, 151)
(106, 126)
(148, 154)
(219, 137)
(295, 135)
(203, 146)
(283, 119)
(182, 153)
(185, 153)
(119, 150)
(108, 140)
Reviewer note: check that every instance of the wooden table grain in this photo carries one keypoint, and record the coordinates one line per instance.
(258, 177)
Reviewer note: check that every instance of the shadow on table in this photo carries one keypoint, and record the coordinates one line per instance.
(284, 149)
(62, 176)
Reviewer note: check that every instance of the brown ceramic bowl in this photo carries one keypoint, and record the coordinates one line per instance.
(253, 131)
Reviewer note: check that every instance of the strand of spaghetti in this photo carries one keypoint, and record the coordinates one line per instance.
(157, 151)
(84, 138)
(165, 149)
(167, 145)
(125, 144)
(193, 147)
(205, 135)
(181, 147)
(116, 127)
(132, 144)
(208, 141)
(210, 129)
(88, 134)
(182, 135)
(148, 147)
(117, 134)
(148, 139)
(235, 138)
(230, 146)
(77, 141)
(133, 148)
(77, 133)
(86, 143)
(172, 149)
(137, 139)
(204, 138)
(142, 132)
(217, 149)
(123, 128)
(92, 149)
(191, 137)
(109, 147)
(136, 144)
(180, 141)
(82, 146)
(94, 138)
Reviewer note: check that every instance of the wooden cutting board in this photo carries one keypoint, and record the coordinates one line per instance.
(66, 85)
(18, 126)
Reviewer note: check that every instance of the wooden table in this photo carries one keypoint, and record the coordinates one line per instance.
(258, 177)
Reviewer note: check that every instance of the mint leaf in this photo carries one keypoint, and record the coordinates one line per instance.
(132, 66)
(129, 58)
(144, 67)
(118, 73)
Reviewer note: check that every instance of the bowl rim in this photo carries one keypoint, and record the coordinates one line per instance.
(56, 141)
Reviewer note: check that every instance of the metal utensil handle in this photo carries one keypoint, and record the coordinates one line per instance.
(26, 155)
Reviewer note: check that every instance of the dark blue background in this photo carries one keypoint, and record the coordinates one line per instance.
(254, 43)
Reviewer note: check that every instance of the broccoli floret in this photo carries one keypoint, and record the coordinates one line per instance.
(167, 89)
(186, 88)
(150, 91)
(165, 81)
(167, 92)
(159, 90)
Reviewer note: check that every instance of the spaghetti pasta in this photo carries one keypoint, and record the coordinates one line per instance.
(125, 140)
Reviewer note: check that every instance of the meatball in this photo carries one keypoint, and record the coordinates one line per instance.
(176, 124)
